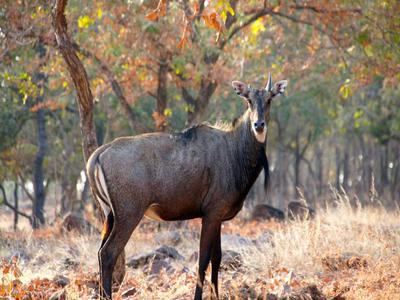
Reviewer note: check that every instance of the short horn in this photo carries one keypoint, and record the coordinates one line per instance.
(268, 88)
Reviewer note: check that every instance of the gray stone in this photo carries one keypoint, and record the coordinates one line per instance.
(235, 241)
(160, 253)
(168, 237)
(231, 260)
(158, 265)
(265, 212)
(300, 211)
(61, 280)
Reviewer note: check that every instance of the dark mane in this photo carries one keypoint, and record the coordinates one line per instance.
(189, 134)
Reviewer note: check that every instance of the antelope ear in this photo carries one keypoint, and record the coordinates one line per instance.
(280, 86)
(240, 88)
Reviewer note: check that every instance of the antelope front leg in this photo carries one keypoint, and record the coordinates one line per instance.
(216, 255)
(209, 231)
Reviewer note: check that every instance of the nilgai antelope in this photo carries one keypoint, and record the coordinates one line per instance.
(203, 172)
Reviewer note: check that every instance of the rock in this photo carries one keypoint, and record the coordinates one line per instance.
(357, 262)
(156, 267)
(300, 211)
(70, 263)
(343, 262)
(59, 295)
(231, 260)
(158, 254)
(129, 292)
(310, 292)
(168, 237)
(75, 223)
(263, 212)
(264, 240)
(169, 252)
(235, 241)
(61, 280)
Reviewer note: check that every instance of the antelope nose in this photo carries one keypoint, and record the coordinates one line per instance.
(259, 126)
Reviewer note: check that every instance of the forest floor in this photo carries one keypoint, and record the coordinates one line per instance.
(343, 253)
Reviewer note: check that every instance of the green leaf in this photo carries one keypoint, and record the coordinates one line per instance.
(358, 114)
(363, 37)
(345, 90)
(369, 51)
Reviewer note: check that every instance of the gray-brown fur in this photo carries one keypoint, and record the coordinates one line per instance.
(204, 172)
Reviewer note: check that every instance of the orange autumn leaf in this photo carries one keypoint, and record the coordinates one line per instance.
(211, 21)
(16, 272)
(196, 9)
(160, 11)
(152, 16)
(6, 269)
(49, 104)
(182, 42)
(159, 119)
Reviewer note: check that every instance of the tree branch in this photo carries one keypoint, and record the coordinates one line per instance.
(238, 28)
(115, 86)
(8, 204)
(326, 11)
(30, 196)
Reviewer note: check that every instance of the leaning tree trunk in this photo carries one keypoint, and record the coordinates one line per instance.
(84, 96)
(78, 75)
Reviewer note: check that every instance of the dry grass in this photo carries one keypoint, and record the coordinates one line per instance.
(353, 253)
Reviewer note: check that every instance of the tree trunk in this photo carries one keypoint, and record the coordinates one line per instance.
(16, 205)
(84, 99)
(40, 79)
(384, 166)
(320, 169)
(395, 174)
(38, 175)
(64, 197)
(297, 160)
(162, 93)
(338, 168)
(346, 168)
(79, 78)
(200, 103)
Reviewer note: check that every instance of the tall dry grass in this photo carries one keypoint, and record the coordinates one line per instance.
(279, 258)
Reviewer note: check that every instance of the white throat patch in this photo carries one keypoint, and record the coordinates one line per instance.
(260, 136)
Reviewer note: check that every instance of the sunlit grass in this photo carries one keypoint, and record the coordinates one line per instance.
(277, 257)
